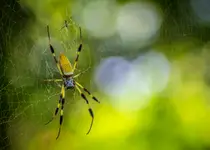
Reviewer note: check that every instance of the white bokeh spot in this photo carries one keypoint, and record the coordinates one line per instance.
(138, 22)
(99, 18)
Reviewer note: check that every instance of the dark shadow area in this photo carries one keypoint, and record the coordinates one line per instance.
(13, 19)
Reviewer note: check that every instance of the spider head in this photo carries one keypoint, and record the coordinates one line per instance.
(69, 83)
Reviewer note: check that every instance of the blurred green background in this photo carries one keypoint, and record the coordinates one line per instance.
(147, 61)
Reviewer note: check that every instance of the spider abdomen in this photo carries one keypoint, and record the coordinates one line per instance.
(65, 65)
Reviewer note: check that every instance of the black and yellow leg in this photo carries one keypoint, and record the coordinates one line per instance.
(62, 108)
(93, 97)
(77, 57)
(78, 51)
(53, 51)
(56, 110)
(89, 109)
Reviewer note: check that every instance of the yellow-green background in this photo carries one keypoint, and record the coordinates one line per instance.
(178, 118)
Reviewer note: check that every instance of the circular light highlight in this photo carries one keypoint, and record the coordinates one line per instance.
(138, 22)
(99, 18)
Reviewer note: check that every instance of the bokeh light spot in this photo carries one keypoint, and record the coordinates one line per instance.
(131, 83)
(138, 22)
(99, 18)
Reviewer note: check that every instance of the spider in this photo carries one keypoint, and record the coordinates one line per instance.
(68, 82)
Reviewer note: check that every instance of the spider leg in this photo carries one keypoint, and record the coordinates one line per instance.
(53, 80)
(93, 97)
(78, 51)
(61, 112)
(82, 72)
(53, 51)
(89, 109)
(56, 110)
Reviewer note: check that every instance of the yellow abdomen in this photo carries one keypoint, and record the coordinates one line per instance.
(65, 65)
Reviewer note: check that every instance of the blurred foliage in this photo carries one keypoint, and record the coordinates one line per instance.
(174, 119)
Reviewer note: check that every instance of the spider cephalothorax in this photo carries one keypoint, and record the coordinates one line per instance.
(69, 83)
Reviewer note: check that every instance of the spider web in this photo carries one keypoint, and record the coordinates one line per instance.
(25, 64)
(26, 102)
